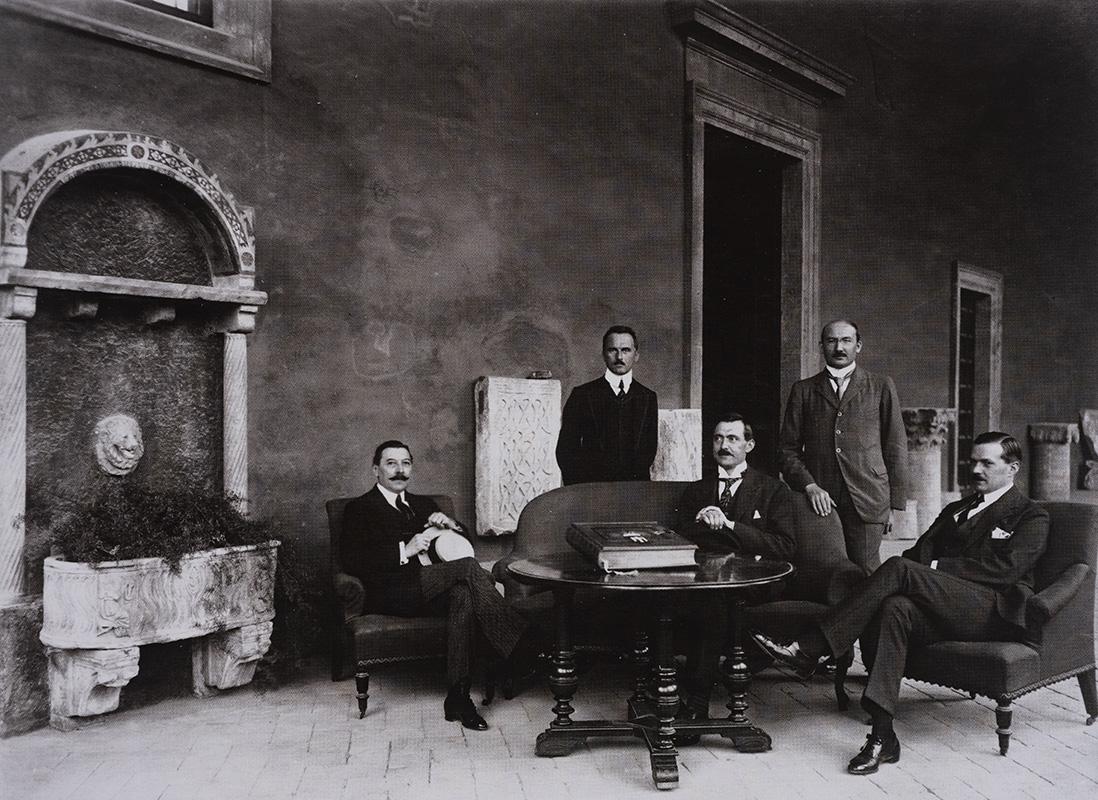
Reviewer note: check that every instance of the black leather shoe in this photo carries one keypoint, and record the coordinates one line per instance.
(802, 664)
(874, 752)
(462, 708)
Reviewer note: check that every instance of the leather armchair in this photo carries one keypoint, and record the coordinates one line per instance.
(1060, 620)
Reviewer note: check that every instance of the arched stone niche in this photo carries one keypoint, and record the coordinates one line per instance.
(159, 253)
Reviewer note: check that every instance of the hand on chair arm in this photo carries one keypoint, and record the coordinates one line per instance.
(1047, 603)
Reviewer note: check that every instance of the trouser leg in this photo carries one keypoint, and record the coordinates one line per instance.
(706, 628)
(960, 607)
(902, 624)
(863, 539)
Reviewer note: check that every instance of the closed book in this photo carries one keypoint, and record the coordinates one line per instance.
(631, 545)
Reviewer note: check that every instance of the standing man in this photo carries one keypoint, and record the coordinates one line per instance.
(384, 531)
(741, 510)
(609, 425)
(843, 443)
(969, 577)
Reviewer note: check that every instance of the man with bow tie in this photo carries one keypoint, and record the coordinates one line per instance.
(740, 510)
(843, 444)
(609, 426)
(969, 577)
(384, 532)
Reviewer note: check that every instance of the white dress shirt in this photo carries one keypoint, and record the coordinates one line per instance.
(840, 378)
(391, 498)
(616, 380)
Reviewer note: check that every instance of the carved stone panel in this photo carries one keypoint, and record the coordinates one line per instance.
(517, 425)
(678, 454)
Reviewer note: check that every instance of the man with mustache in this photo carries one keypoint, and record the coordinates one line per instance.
(843, 444)
(608, 427)
(384, 531)
(739, 510)
(969, 577)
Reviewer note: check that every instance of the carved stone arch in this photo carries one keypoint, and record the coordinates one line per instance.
(34, 169)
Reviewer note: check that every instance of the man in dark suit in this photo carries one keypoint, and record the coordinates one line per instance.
(843, 444)
(968, 578)
(739, 510)
(609, 426)
(384, 531)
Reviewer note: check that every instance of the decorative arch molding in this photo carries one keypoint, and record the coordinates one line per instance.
(33, 170)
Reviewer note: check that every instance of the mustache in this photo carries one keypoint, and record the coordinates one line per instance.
(724, 452)
(399, 476)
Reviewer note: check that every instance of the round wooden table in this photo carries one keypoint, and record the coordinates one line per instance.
(652, 707)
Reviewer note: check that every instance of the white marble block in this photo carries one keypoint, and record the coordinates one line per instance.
(678, 454)
(518, 421)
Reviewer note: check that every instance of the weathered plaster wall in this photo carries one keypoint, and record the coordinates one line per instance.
(454, 189)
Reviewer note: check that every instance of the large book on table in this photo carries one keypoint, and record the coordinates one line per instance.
(631, 545)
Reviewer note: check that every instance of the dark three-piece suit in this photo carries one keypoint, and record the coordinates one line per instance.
(854, 448)
(604, 437)
(462, 590)
(978, 591)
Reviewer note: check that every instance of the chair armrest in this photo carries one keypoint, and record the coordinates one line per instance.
(350, 594)
(1047, 603)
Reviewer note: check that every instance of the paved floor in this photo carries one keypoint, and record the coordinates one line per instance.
(305, 741)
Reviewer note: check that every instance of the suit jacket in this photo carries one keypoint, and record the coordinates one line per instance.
(762, 510)
(584, 445)
(372, 530)
(975, 552)
(859, 442)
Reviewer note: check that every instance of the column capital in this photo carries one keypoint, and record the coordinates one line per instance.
(1053, 432)
(17, 302)
(239, 319)
(927, 427)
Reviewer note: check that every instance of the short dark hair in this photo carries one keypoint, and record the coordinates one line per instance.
(734, 416)
(1012, 450)
(381, 448)
(620, 329)
(842, 321)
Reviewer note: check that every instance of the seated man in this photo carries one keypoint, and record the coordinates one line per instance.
(740, 510)
(384, 531)
(968, 578)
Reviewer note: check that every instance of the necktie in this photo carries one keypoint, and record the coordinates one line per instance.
(725, 501)
(976, 500)
(404, 509)
(621, 388)
(839, 383)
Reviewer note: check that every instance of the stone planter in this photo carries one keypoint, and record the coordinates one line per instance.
(96, 616)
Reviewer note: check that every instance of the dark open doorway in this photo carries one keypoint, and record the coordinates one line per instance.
(742, 288)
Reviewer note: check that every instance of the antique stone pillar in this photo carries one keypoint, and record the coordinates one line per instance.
(927, 429)
(678, 453)
(1088, 430)
(16, 306)
(235, 404)
(1050, 470)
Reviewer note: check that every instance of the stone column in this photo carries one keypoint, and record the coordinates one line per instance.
(927, 429)
(16, 306)
(1050, 471)
(1088, 429)
(234, 418)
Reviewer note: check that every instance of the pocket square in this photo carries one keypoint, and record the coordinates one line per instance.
(757, 515)
(999, 533)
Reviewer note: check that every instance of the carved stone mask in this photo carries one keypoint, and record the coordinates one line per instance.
(118, 444)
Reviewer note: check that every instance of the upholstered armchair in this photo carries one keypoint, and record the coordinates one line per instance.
(1061, 617)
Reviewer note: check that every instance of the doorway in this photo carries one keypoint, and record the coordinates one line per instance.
(742, 294)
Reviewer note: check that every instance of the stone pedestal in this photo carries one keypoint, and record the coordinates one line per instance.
(905, 524)
(227, 659)
(927, 429)
(678, 453)
(518, 421)
(1088, 425)
(84, 683)
(1050, 468)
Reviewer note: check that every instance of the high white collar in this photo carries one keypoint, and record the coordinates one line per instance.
(840, 373)
(391, 496)
(736, 471)
(615, 380)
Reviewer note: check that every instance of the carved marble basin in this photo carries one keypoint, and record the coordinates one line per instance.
(119, 604)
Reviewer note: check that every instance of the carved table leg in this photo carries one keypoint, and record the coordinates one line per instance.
(563, 679)
(642, 666)
(87, 682)
(737, 678)
(227, 659)
(664, 756)
(1003, 716)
